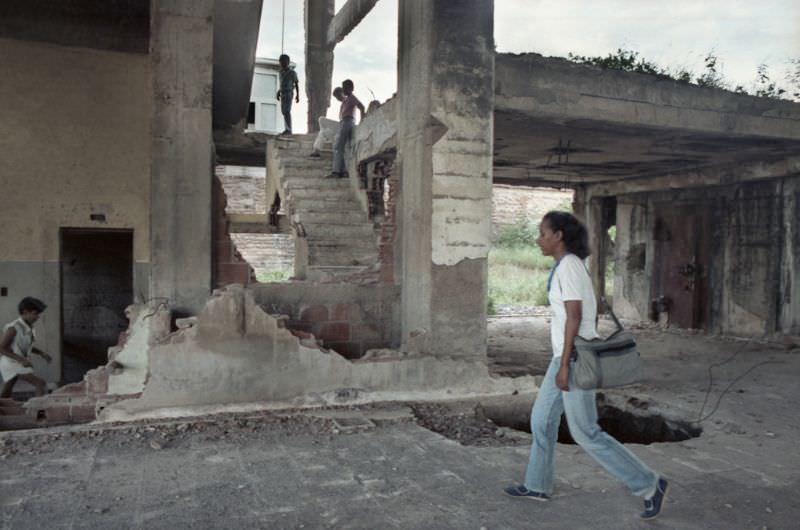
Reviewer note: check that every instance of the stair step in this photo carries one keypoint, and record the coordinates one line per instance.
(334, 196)
(306, 174)
(331, 217)
(323, 273)
(315, 184)
(305, 163)
(327, 231)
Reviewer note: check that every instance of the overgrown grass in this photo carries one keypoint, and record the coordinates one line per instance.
(513, 285)
(522, 257)
(517, 269)
(275, 275)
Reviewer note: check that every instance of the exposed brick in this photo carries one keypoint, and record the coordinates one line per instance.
(223, 249)
(56, 414)
(82, 413)
(301, 334)
(339, 312)
(365, 330)
(97, 381)
(314, 313)
(348, 350)
(233, 273)
(298, 325)
(72, 389)
(334, 332)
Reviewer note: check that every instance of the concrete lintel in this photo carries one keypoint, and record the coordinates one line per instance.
(702, 177)
(347, 18)
(559, 89)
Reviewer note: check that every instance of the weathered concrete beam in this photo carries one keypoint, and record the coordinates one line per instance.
(319, 59)
(235, 39)
(702, 177)
(557, 88)
(348, 17)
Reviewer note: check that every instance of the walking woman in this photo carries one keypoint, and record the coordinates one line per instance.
(574, 309)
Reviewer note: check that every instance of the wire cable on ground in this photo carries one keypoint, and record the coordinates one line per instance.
(700, 417)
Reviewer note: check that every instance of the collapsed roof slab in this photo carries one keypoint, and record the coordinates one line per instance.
(561, 123)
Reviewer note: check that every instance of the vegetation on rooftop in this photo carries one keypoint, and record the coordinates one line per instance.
(765, 84)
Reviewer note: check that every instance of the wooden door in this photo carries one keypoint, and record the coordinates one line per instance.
(681, 265)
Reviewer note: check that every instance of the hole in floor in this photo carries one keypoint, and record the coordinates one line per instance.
(641, 427)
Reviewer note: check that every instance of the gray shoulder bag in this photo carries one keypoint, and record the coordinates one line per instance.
(606, 363)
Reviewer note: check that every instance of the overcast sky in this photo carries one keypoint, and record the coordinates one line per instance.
(675, 34)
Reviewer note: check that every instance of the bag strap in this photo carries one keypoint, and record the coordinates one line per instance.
(607, 306)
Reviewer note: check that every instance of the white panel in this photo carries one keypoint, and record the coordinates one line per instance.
(265, 85)
(267, 116)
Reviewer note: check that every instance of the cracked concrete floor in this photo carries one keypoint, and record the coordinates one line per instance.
(300, 471)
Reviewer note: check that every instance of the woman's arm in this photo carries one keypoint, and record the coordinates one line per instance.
(5, 348)
(574, 311)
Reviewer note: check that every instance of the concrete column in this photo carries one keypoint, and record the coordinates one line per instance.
(181, 51)
(790, 266)
(319, 59)
(445, 140)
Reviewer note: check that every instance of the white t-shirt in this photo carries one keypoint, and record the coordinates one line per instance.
(571, 282)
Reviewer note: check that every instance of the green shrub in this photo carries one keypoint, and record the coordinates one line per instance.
(274, 275)
(523, 257)
(513, 285)
(520, 234)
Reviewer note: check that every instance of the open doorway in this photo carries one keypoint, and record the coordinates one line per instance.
(96, 287)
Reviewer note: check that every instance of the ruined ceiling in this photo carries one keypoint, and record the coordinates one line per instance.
(540, 151)
(559, 123)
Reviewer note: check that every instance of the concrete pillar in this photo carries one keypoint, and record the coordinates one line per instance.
(181, 51)
(319, 59)
(790, 266)
(445, 141)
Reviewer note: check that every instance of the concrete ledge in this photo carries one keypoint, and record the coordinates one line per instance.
(560, 89)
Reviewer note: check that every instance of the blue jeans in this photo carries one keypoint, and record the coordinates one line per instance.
(286, 110)
(581, 411)
(342, 137)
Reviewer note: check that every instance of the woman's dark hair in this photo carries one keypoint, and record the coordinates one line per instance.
(30, 303)
(573, 233)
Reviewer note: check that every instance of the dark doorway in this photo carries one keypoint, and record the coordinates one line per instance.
(680, 280)
(96, 287)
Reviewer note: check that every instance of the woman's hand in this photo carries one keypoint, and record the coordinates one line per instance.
(562, 377)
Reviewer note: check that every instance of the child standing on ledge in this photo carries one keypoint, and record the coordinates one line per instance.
(17, 344)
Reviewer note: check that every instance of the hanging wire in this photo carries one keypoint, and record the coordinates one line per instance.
(283, 23)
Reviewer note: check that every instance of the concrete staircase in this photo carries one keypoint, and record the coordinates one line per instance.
(335, 239)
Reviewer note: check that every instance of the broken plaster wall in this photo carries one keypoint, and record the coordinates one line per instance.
(350, 319)
(75, 141)
(632, 279)
(753, 259)
(237, 353)
(148, 324)
(751, 270)
(445, 140)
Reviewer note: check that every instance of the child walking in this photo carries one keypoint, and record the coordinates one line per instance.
(17, 344)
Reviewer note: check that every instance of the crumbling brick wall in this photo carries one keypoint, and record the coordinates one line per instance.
(229, 265)
(349, 319)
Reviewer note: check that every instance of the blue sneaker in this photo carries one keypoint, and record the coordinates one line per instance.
(524, 493)
(652, 506)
